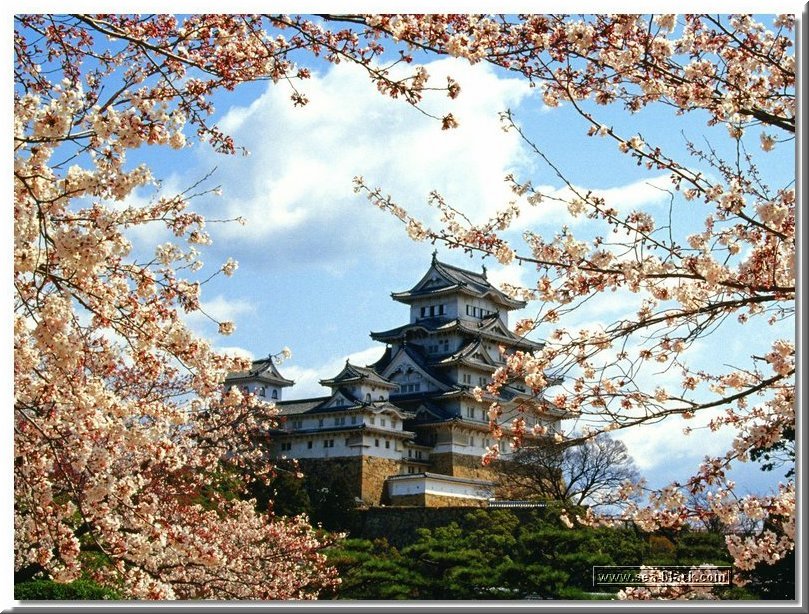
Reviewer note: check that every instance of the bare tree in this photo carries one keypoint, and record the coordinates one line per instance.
(591, 473)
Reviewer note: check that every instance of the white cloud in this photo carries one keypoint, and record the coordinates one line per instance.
(296, 189)
(644, 193)
(235, 350)
(664, 445)
(221, 308)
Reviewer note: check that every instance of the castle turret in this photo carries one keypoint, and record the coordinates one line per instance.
(262, 379)
(456, 338)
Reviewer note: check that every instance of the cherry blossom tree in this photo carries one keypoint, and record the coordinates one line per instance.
(120, 417)
(737, 270)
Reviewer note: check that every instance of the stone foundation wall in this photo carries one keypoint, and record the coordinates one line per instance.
(364, 476)
(374, 473)
(461, 466)
(431, 500)
(440, 501)
(349, 469)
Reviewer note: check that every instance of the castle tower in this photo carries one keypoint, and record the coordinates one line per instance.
(456, 338)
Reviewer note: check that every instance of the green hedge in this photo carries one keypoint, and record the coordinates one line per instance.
(79, 590)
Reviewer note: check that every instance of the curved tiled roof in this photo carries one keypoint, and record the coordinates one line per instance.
(263, 370)
(456, 279)
(353, 373)
(486, 327)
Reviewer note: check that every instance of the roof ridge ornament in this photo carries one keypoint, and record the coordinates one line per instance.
(435, 256)
(483, 266)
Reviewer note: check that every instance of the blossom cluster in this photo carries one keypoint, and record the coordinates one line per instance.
(122, 427)
(739, 267)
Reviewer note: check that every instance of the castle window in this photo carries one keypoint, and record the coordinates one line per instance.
(262, 391)
(274, 393)
(471, 441)
(387, 444)
(286, 446)
(384, 422)
(309, 445)
(470, 412)
(353, 419)
(373, 420)
(320, 422)
(328, 443)
(467, 378)
(410, 454)
(368, 398)
(411, 470)
(381, 398)
(441, 310)
(376, 443)
(346, 442)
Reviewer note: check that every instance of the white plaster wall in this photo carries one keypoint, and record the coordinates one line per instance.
(394, 452)
(435, 486)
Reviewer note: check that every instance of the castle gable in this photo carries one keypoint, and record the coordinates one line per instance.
(433, 280)
(341, 399)
(494, 325)
(411, 376)
(352, 374)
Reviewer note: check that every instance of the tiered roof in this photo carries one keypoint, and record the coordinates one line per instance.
(424, 407)
(263, 370)
(473, 354)
(352, 374)
(444, 278)
(489, 327)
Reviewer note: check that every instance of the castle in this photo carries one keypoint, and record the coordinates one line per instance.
(407, 430)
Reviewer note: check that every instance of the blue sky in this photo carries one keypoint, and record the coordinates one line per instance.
(317, 263)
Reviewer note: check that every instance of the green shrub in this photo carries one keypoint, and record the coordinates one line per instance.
(78, 590)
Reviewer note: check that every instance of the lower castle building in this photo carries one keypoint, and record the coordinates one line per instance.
(408, 429)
